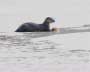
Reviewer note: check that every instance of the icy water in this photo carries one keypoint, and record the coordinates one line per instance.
(44, 52)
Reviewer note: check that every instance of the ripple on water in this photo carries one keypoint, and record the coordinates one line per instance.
(26, 48)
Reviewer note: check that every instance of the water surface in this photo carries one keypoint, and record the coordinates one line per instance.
(43, 51)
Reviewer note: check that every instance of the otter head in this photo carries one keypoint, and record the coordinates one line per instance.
(49, 20)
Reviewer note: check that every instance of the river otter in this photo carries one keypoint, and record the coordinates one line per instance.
(33, 27)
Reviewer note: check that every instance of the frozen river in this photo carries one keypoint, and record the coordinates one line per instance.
(45, 52)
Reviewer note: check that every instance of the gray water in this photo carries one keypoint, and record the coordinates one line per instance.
(43, 52)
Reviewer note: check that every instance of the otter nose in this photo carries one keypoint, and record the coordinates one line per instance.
(53, 20)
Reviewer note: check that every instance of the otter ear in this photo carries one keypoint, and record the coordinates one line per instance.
(48, 17)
